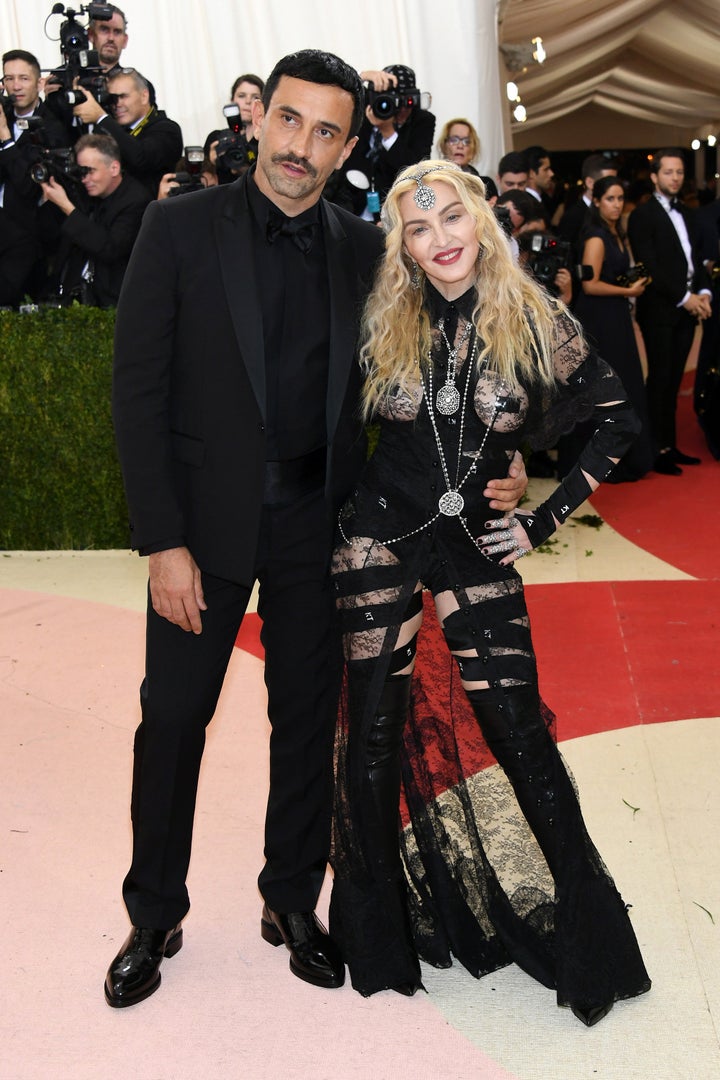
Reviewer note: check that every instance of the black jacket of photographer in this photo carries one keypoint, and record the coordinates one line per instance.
(101, 232)
(381, 166)
(149, 153)
(21, 197)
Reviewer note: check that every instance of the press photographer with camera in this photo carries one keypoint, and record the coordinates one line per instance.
(98, 232)
(21, 111)
(193, 172)
(232, 150)
(397, 131)
(150, 143)
(109, 38)
(90, 54)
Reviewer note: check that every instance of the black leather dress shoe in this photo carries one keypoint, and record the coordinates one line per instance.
(592, 1016)
(135, 972)
(684, 459)
(313, 956)
(665, 464)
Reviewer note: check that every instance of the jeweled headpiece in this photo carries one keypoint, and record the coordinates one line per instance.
(424, 197)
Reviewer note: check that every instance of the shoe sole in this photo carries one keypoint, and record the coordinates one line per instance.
(270, 933)
(174, 945)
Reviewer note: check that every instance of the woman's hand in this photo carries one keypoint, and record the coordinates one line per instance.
(506, 537)
(637, 288)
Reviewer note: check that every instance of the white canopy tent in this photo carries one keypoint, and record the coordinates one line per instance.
(620, 73)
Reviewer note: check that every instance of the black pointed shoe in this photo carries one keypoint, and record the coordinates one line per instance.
(665, 463)
(135, 972)
(684, 459)
(314, 957)
(592, 1016)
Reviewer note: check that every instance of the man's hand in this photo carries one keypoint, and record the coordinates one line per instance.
(88, 111)
(698, 304)
(506, 492)
(176, 588)
(563, 284)
(381, 80)
(56, 193)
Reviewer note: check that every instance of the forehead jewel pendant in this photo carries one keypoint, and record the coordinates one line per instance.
(424, 197)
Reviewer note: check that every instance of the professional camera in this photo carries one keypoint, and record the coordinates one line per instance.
(80, 62)
(189, 179)
(233, 150)
(633, 274)
(545, 255)
(388, 103)
(58, 163)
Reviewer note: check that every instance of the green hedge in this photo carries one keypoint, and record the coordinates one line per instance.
(60, 484)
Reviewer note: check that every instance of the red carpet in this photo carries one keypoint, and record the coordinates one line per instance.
(676, 518)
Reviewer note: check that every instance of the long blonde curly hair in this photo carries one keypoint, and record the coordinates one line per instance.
(513, 317)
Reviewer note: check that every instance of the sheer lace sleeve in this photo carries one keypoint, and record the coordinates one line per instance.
(586, 387)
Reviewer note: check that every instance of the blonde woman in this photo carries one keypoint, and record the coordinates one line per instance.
(459, 142)
(465, 358)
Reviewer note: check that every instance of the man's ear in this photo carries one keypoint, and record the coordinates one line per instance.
(258, 115)
(346, 151)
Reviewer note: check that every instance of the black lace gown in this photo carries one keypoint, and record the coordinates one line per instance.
(477, 886)
(607, 322)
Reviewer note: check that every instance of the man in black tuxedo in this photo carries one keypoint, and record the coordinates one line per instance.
(663, 237)
(593, 168)
(236, 411)
(97, 235)
(20, 247)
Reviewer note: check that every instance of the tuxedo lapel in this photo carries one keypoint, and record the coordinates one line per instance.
(342, 278)
(233, 232)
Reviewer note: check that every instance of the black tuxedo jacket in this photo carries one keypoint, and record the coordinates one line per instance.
(105, 234)
(189, 383)
(656, 244)
(22, 195)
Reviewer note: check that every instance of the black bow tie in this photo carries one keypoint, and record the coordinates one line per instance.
(301, 233)
(675, 203)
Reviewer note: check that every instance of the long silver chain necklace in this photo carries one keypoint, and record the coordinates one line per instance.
(451, 503)
(448, 396)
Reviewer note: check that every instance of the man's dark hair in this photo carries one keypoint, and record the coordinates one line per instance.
(254, 79)
(26, 57)
(114, 11)
(668, 151)
(314, 66)
(595, 165)
(100, 141)
(514, 162)
(534, 156)
(528, 207)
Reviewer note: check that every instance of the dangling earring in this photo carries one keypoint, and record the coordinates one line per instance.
(415, 277)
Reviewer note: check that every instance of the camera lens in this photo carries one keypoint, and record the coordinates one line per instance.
(384, 106)
(39, 172)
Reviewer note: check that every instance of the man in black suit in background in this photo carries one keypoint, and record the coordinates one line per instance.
(663, 237)
(236, 411)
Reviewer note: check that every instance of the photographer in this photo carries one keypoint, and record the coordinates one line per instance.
(233, 149)
(109, 38)
(548, 260)
(193, 172)
(149, 142)
(399, 134)
(19, 197)
(95, 243)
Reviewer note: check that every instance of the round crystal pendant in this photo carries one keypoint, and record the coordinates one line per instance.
(451, 503)
(447, 401)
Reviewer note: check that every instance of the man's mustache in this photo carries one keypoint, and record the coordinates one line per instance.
(293, 159)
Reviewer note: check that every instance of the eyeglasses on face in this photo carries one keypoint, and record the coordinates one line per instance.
(462, 140)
